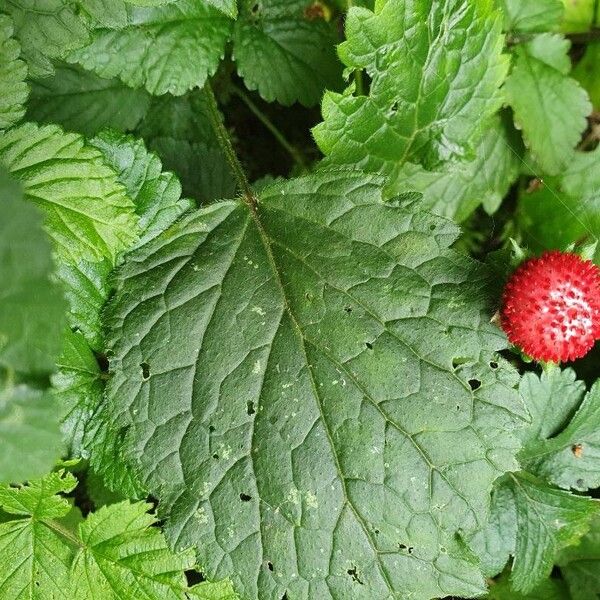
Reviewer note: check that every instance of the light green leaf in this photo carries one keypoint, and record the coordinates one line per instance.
(30, 435)
(116, 553)
(46, 29)
(458, 189)
(32, 309)
(13, 72)
(83, 102)
(586, 71)
(78, 388)
(34, 559)
(528, 16)
(579, 15)
(570, 458)
(425, 104)
(171, 48)
(286, 382)
(580, 565)
(88, 215)
(298, 47)
(111, 14)
(550, 589)
(156, 194)
(549, 107)
(547, 520)
(551, 49)
(229, 7)
(125, 557)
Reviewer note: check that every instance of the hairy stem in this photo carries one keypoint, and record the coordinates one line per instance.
(227, 147)
(290, 148)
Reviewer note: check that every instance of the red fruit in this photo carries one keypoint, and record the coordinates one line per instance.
(551, 307)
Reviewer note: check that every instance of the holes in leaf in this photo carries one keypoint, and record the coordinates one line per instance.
(145, 371)
(245, 497)
(394, 107)
(493, 364)
(353, 572)
(211, 428)
(369, 345)
(215, 456)
(408, 549)
(474, 384)
(348, 309)
(432, 227)
(285, 596)
(194, 577)
(250, 407)
(270, 566)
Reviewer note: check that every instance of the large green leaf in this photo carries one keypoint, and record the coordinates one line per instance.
(550, 107)
(88, 214)
(435, 69)
(46, 29)
(310, 391)
(81, 101)
(297, 46)
(31, 304)
(13, 72)
(170, 48)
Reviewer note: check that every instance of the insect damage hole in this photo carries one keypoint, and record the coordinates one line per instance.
(353, 572)
(245, 497)
(145, 371)
(250, 407)
(474, 384)
(369, 345)
(577, 450)
(270, 566)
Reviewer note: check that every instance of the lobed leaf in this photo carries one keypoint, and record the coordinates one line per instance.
(13, 72)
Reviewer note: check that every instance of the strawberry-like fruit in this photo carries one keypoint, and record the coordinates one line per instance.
(551, 307)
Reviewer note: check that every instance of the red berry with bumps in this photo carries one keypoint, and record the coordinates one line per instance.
(551, 307)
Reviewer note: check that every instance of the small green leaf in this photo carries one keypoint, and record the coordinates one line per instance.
(88, 214)
(299, 48)
(32, 308)
(13, 72)
(527, 16)
(424, 105)
(46, 29)
(83, 102)
(229, 7)
(171, 48)
(549, 107)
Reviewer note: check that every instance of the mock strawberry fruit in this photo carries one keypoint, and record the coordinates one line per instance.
(551, 307)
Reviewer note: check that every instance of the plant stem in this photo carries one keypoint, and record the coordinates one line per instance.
(291, 150)
(227, 147)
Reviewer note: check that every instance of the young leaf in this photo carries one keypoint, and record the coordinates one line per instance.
(171, 48)
(13, 72)
(32, 307)
(549, 107)
(87, 212)
(569, 459)
(34, 558)
(286, 376)
(528, 17)
(297, 44)
(78, 388)
(30, 435)
(46, 29)
(459, 188)
(83, 102)
(116, 553)
(425, 105)
(229, 7)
